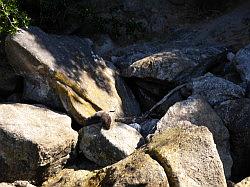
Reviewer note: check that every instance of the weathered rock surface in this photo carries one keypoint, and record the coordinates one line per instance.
(139, 169)
(106, 147)
(35, 142)
(188, 155)
(236, 116)
(243, 183)
(176, 65)
(215, 89)
(197, 111)
(17, 184)
(242, 62)
(38, 91)
(84, 81)
(148, 127)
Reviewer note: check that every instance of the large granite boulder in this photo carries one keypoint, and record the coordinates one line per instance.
(35, 142)
(139, 169)
(106, 147)
(84, 82)
(215, 89)
(236, 116)
(188, 155)
(175, 64)
(197, 111)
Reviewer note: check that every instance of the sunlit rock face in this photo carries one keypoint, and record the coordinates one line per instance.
(84, 82)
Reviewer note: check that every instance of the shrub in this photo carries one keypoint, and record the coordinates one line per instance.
(11, 17)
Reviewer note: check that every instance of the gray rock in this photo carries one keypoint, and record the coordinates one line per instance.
(199, 112)
(84, 82)
(35, 142)
(175, 64)
(148, 127)
(236, 116)
(188, 155)
(136, 126)
(106, 147)
(36, 89)
(215, 90)
(242, 62)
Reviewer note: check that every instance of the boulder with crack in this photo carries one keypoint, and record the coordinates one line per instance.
(197, 111)
(188, 155)
(35, 142)
(84, 82)
(139, 169)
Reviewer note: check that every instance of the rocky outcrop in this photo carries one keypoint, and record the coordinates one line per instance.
(197, 111)
(84, 82)
(235, 114)
(106, 147)
(188, 155)
(139, 169)
(35, 142)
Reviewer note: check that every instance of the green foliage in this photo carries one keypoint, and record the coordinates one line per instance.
(11, 18)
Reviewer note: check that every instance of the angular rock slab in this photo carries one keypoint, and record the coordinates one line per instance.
(84, 81)
(175, 64)
(215, 89)
(35, 142)
(197, 111)
(105, 147)
(188, 155)
(139, 169)
(236, 116)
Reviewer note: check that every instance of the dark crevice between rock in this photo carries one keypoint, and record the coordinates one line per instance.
(167, 169)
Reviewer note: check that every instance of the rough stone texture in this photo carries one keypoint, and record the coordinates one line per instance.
(175, 64)
(243, 183)
(38, 90)
(106, 147)
(215, 90)
(242, 62)
(199, 112)
(236, 116)
(17, 184)
(139, 169)
(35, 142)
(84, 81)
(188, 155)
(148, 127)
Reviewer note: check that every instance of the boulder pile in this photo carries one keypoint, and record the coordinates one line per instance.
(158, 113)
